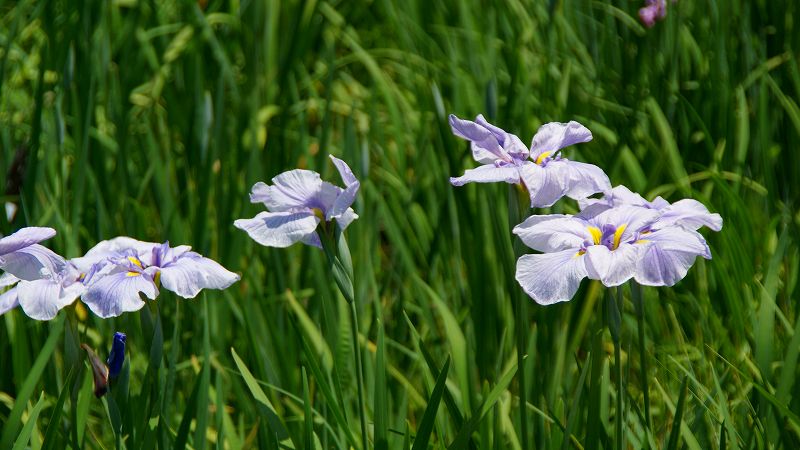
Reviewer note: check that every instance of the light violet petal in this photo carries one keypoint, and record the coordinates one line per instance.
(585, 179)
(32, 262)
(551, 277)
(8, 300)
(554, 232)
(668, 255)
(690, 214)
(343, 221)
(7, 280)
(615, 267)
(118, 292)
(487, 174)
(191, 273)
(42, 299)
(510, 143)
(554, 136)
(344, 171)
(484, 144)
(112, 248)
(546, 185)
(279, 229)
(24, 238)
(292, 189)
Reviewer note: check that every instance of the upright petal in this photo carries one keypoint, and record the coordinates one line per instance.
(118, 292)
(585, 179)
(344, 171)
(279, 229)
(551, 277)
(488, 173)
(510, 143)
(112, 248)
(552, 233)
(613, 267)
(546, 185)
(554, 136)
(191, 273)
(668, 255)
(43, 299)
(485, 147)
(690, 214)
(24, 238)
(32, 262)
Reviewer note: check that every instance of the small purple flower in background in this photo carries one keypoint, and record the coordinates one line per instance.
(22, 256)
(116, 357)
(298, 201)
(546, 174)
(118, 270)
(653, 11)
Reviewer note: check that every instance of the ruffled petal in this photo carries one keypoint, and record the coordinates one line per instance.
(32, 262)
(545, 184)
(191, 273)
(551, 277)
(615, 267)
(279, 229)
(554, 136)
(510, 143)
(292, 189)
(585, 179)
(118, 292)
(112, 248)
(488, 173)
(43, 299)
(484, 144)
(690, 214)
(552, 233)
(24, 238)
(668, 255)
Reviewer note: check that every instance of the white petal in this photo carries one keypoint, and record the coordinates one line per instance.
(42, 299)
(8, 300)
(487, 174)
(551, 277)
(546, 184)
(116, 293)
(279, 229)
(552, 233)
(291, 189)
(191, 273)
(691, 214)
(615, 267)
(554, 136)
(344, 171)
(32, 262)
(585, 179)
(668, 255)
(24, 238)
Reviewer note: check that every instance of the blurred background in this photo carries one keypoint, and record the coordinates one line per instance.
(153, 119)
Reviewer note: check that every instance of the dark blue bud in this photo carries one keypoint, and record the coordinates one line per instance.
(117, 355)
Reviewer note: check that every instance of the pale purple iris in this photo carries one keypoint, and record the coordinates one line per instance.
(22, 256)
(118, 270)
(542, 169)
(42, 299)
(653, 11)
(298, 201)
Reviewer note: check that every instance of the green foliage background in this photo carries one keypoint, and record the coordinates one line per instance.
(153, 119)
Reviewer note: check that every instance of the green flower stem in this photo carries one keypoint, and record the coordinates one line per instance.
(638, 305)
(341, 265)
(518, 207)
(614, 326)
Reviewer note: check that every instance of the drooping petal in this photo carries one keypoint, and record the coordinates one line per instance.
(8, 300)
(118, 292)
(668, 255)
(554, 136)
(292, 189)
(552, 233)
(484, 144)
(24, 238)
(191, 273)
(546, 185)
(32, 262)
(43, 299)
(551, 277)
(613, 267)
(279, 229)
(488, 173)
(690, 214)
(585, 179)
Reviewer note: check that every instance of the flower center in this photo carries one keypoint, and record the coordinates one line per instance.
(542, 157)
(610, 235)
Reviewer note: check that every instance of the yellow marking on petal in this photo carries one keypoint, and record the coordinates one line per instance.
(135, 260)
(132, 274)
(642, 241)
(597, 235)
(542, 157)
(618, 235)
(318, 212)
(157, 278)
(580, 253)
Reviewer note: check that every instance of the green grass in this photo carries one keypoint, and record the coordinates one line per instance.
(153, 119)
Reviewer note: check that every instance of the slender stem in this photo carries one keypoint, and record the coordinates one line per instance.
(636, 294)
(359, 373)
(518, 206)
(618, 362)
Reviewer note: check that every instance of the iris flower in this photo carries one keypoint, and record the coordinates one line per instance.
(118, 270)
(654, 11)
(298, 200)
(22, 256)
(542, 169)
(656, 246)
(42, 299)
